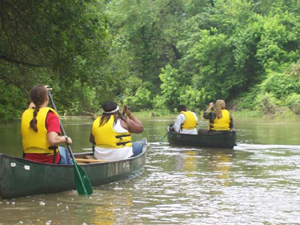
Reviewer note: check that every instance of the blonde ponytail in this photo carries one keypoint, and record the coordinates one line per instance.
(220, 105)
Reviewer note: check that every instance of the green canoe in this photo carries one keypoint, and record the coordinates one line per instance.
(21, 177)
(214, 139)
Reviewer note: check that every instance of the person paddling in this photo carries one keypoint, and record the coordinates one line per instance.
(185, 122)
(40, 130)
(111, 133)
(220, 119)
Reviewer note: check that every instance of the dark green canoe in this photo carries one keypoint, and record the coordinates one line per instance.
(21, 177)
(213, 139)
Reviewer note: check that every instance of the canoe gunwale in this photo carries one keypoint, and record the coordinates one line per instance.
(21, 177)
(215, 139)
(75, 154)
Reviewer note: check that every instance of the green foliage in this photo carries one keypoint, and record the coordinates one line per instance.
(294, 70)
(293, 102)
(267, 103)
(213, 56)
(278, 94)
(246, 114)
(60, 43)
(141, 100)
(280, 85)
(249, 100)
(152, 54)
(11, 98)
(171, 87)
(154, 113)
(149, 30)
(192, 97)
(58, 35)
(233, 55)
(285, 113)
(278, 44)
(222, 59)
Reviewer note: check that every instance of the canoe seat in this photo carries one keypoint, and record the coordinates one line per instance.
(90, 157)
(80, 160)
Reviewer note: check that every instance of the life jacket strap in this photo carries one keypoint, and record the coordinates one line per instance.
(123, 143)
(55, 151)
(124, 135)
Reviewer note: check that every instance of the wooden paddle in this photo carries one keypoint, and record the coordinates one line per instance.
(82, 181)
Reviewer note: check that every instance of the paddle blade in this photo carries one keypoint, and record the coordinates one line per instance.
(82, 181)
(160, 141)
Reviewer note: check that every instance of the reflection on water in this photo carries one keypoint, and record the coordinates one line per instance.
(222, 166)
(189, 163)
(258, 182)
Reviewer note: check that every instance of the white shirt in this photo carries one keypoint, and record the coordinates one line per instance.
(180, 120)
(114, 153)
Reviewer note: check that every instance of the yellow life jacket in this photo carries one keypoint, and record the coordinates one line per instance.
(36, 142)
(106, 137)
(222, 123)
(190, 120)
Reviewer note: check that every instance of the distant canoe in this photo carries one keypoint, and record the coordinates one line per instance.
(214, 139)
(21, 177)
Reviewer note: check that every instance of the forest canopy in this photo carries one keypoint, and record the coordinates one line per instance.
(153, 55)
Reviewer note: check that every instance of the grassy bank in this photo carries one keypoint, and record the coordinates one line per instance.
(155, 114)
(246, 114)
(167, 114)
(236, 114)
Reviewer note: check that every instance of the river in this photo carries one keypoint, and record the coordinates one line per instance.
(258, 182)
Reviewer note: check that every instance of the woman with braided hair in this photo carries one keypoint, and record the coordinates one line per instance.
(40, 129)
(220, 119)
(111, 133)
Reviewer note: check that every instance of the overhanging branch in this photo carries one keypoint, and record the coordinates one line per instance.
(4, 58)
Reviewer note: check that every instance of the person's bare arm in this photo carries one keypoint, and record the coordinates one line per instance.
(133, 124)
(211, 105)
(54, 139)
(207, 113)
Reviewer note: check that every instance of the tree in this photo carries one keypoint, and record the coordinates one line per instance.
(150, 29)
(53, 42)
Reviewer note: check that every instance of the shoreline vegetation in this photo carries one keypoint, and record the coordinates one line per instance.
(162, 114)
(154, 58)
(236, 114)
(243, 114)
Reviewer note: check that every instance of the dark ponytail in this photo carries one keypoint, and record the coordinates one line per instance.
(33, 122)
(38, 96)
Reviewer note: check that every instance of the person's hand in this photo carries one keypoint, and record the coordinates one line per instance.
(210, 106)
(68, 140)
(48, 88)
(171, 128)
(126, 109)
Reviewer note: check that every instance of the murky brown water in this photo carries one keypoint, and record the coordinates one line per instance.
(256, 183)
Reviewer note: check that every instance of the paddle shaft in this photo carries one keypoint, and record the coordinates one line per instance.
(61, 126)
(86, 187)
(163, 137)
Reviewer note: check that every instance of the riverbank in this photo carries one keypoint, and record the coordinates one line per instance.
(163, 114)
(236, 114)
